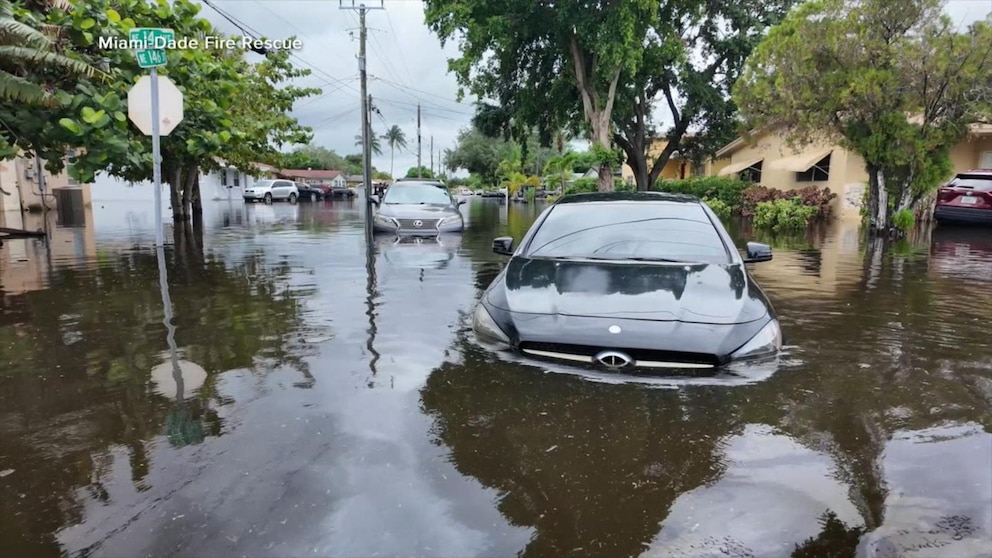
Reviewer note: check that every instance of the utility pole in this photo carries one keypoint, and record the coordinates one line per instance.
(432, 155)
(419, 165)
(362, 8)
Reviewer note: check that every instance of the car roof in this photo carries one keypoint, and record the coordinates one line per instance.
(591, 197)
(975, 173)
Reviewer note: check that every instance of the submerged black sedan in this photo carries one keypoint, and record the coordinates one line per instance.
(629, 281)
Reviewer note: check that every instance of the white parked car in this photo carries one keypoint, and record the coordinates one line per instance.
(270, 190)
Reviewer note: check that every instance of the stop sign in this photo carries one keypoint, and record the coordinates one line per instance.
(170, 105)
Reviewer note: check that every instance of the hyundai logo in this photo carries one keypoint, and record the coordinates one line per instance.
(613, 359)
(418, 223)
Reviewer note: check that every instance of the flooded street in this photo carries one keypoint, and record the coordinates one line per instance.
(331, 403)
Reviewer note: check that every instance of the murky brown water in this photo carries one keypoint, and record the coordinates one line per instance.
(327, 412)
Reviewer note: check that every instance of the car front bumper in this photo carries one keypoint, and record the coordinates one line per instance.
(963, 215)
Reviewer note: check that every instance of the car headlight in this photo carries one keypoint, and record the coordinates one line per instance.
(385, 221)
(766, 342)
(450, 220)
(485, 326)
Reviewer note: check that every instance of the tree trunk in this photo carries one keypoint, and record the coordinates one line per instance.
(175, 189)
(881, 218)
(598, 112)
(189, 176)
(392, 156)
(197, 198)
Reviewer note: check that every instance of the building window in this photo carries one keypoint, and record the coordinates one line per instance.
(752, 174)
(986, 160)
(223, 177)
(237, 179)
(820, 172)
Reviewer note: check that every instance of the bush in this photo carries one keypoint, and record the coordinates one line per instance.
(783, 215)
(727, 190)
(722, 210)
(903, 220)
(582, 185)
(810, 196)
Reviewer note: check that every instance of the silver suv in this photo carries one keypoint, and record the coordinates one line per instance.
(269, 190)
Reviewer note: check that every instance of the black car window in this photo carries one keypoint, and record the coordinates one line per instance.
(417, 194)
(629, 230)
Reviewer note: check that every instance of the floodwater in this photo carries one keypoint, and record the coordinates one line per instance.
(313, 399)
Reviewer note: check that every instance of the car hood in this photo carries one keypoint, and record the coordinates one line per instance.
(416, 211)
(692, 293)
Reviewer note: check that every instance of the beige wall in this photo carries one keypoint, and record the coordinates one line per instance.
(19, 178)
(24, 263)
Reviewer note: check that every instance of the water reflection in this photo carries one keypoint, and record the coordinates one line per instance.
(873, 442)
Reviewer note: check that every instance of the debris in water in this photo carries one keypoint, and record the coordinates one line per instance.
(551, 449)
(6, 472)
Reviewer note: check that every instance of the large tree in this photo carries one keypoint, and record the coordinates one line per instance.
(547, 63)
(692, 57)
(895, 82)
(233, 110)
(316, 157)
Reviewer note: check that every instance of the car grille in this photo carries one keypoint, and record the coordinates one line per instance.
(642, 358)
(425, 224)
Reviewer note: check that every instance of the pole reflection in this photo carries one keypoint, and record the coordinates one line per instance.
(371, 293)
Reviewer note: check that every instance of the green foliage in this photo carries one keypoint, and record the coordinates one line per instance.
(897, 86)
(696, 97)
(422, 172)
(783, 215)
(480, 155)
(374, 143)
(582, 185)
(727, 190)
(317, 158)
(903, 220)
(545, 65)
(28, 54)
(720, 207)
(810, 196)
(530, 194)
(233, 110)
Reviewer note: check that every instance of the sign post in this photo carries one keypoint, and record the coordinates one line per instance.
(144, 101)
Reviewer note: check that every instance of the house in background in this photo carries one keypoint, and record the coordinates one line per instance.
(354, 180)
(333, 178)
(676, 168)
(229, 182)
(764, 158)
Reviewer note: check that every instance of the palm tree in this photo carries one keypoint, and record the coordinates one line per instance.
(395, 138)
(373, 143)
(24, 48)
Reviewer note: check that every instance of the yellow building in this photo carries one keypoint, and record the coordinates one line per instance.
(764, 158)
(676, 167)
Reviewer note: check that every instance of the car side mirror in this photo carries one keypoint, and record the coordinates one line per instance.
(503, 246)
(758, 252)
(374, 199)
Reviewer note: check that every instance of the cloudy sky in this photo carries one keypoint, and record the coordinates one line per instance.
(406, 67)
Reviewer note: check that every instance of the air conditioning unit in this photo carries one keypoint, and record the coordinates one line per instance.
(29, 174)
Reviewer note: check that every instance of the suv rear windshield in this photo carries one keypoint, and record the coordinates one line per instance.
(629, 230)
(972, 181)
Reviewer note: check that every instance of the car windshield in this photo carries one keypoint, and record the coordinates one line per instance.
(263, 183)
(629, 231)
(417, 194)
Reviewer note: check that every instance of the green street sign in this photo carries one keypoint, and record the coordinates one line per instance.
(151, 38)
(150, 58)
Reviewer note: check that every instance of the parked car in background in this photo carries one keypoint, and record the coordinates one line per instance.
(629, 281)
(418, 208)
(966, 199)
(309, 193)
(269, 190)
(341, 192)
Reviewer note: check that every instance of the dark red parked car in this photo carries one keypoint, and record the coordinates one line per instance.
(966, 199)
